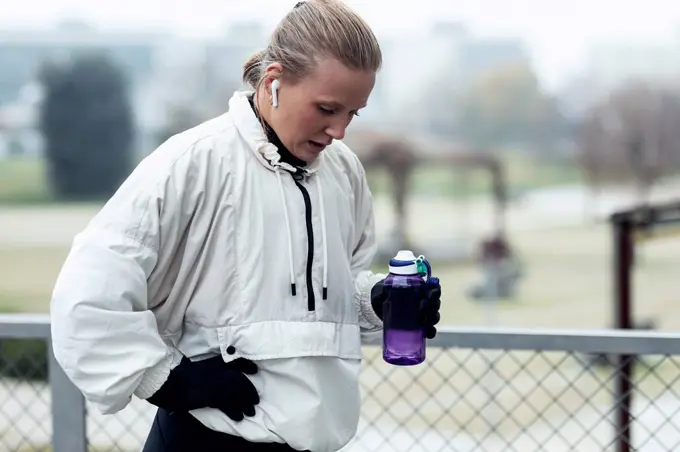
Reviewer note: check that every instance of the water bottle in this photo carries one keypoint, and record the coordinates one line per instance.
(403, 334)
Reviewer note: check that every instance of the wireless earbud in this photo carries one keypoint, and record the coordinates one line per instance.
(275, 93)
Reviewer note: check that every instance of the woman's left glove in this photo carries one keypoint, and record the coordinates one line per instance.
(430, 303)
(210, 383)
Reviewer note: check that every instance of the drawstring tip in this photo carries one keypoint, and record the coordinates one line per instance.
(292, 288)
(325, 293)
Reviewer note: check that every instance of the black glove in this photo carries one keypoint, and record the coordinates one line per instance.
(430, 303)
(210, 383)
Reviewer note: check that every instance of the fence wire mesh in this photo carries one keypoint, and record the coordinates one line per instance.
(459, 400)
(25, 404)
(484, 400)
(124, 431)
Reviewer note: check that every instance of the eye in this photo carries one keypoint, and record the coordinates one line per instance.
(355, 113)
(326, 111)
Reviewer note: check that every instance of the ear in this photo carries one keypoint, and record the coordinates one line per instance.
(271, 73)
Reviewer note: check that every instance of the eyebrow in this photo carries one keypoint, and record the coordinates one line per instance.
(338, 104)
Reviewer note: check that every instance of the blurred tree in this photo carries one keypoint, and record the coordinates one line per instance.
(183, 115)
(179, 117)
(87, 123)
(506, 105)
(631, 136)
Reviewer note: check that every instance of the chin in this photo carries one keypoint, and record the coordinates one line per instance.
(309, 153)
(308, 157)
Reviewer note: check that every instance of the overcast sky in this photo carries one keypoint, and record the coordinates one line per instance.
(557, 31)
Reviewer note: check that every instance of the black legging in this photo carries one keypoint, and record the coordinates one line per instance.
(182, 432)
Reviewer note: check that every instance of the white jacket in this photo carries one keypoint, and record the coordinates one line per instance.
(196, 255)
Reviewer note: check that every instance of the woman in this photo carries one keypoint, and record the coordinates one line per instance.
(227, 281)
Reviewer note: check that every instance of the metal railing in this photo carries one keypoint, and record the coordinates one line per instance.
(480, 390)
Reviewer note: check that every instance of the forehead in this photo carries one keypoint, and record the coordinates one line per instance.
(332, 81)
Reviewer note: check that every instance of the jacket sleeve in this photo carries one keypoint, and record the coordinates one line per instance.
(103, 334)
(363, 255)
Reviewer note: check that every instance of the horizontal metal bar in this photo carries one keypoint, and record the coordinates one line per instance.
(642, 215)
(633, 342)
(615, 342)
(624, 342)
(24, 326)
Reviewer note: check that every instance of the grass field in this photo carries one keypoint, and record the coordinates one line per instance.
(521, 172)
(23, 181)
(28, 274)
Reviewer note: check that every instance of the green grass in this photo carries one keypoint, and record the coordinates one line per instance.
(23, 181)
(521, 172)
(28, 275)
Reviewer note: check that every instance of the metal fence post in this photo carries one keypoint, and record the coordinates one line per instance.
(623, 384)
(69, 431)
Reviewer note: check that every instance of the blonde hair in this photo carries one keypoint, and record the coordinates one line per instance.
(313, 30)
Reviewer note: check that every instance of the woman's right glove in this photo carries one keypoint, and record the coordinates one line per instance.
(210, 383)
(430, 303)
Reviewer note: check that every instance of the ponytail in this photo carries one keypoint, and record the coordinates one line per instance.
(252, 69)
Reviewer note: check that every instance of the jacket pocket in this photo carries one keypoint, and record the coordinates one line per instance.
(289, 339)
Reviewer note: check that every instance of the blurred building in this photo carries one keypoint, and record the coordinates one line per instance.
(225, 57)
(22, 53)
(446, 57)
(166, 73)
(18, 133)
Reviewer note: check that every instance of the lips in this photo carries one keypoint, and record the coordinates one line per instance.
(318, 145)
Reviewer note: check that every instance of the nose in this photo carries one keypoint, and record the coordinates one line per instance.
(337, 129)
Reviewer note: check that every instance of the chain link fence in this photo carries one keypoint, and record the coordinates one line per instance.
(484, 400)
(479, 390)
(25, 401)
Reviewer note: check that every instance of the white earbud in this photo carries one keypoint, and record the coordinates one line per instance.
(275, 93)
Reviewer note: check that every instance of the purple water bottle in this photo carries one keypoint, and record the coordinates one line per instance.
(403, 334)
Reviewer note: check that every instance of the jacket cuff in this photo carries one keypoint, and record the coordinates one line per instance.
(368, 319)
(154, 377)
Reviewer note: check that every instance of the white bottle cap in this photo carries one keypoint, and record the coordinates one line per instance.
(409, 266)
(405, 255)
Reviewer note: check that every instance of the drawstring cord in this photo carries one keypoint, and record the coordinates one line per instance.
(290, 235)
(272, 155)
(323, 238)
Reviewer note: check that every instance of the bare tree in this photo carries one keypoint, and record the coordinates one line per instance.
(631, 136)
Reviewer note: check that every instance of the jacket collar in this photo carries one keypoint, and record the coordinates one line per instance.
(250, 127)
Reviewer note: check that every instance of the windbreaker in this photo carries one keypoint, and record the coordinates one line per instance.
(212, 247)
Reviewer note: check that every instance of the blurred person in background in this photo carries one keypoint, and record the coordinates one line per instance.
(228, 280)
